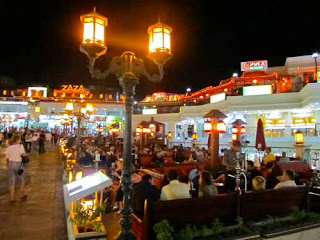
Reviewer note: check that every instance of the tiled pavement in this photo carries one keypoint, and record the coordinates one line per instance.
(41, 216)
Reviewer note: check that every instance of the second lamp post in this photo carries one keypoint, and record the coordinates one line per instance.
(79, 115)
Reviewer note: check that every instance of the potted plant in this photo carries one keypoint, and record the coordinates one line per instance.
(86, 220)
(294, 224)
(215, 230)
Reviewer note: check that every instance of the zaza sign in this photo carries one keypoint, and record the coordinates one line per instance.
(254, 65)
(72, 88)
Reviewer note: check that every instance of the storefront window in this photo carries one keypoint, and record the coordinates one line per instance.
(274, 133)
(178, 131)
(306, 131)
(190, 131)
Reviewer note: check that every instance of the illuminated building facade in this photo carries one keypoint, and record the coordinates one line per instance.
(38, 107)
(286, 98)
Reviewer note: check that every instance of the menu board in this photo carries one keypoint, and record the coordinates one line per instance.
(85, 186)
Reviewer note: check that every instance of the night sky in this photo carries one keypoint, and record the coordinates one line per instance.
(40, 39)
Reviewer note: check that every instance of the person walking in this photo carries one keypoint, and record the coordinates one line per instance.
(29, 136)
(14, 155)
(48, 139)
(42, 139)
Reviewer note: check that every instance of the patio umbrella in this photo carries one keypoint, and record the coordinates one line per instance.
(260, 140)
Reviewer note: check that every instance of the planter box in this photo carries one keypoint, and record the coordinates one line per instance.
(250, 235)
(73, 233)
(311, 231)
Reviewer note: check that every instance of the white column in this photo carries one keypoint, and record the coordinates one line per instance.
(300, 150)
(251, 125)
(288, 122)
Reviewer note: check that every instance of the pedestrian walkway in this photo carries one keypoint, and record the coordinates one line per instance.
(41, 216)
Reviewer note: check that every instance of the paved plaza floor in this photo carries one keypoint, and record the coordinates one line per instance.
(41, 216)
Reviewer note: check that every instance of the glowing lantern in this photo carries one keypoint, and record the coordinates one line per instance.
(169, 135)
(93, 39)
(70, 176)
(69, 107)
(195, 136)
(138, 130)
(37, 109)
(225, 90)
(221, 127)
(152, 134)
(235, 129)
(152, 125)
(4, 92)
(298, 137)
(234, 137)
(83, 110)
(207, 126)
(159, 43)
(254, 81)
(114, 130)
(89, 108)
(146, 130)
(243, 130)
(79, 175)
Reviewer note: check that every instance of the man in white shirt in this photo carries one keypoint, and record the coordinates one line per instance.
(175, 189)
(287, 179)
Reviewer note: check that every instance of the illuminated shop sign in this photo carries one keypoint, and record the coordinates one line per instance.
(162, 96)
(257, 90)
(37, 92)
(159, 96)
(13, 103)
(254, 65)
(149, 111)
(72, 88)
(218, 97)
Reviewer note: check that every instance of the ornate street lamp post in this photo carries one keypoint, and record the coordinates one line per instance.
(128, 69)
(79, 114)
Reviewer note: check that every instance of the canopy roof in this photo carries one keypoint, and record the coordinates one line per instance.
(215, 114)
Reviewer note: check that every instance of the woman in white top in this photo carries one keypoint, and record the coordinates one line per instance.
(13, 156)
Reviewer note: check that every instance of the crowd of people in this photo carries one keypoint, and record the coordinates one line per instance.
(201, 183)
(107, 153)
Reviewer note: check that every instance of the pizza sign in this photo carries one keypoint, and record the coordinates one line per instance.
(254, 65)
(159, 96)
